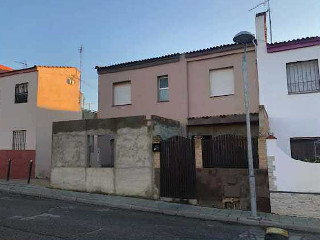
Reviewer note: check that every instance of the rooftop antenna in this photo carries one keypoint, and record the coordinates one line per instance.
(266, 2)
(80, 51)
(24, 63)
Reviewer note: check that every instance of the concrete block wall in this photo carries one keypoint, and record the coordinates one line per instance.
(295, 204)
(100, 180)
(133, 171)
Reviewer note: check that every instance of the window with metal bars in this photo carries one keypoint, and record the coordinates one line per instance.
(305, 149)
(21, 93)
(303, 77)
(19, 140)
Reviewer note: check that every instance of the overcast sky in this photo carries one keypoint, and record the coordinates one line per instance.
(49, 32)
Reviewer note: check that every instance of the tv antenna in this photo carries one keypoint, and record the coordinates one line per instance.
(266, 3)
(80, 52)
(24, 63)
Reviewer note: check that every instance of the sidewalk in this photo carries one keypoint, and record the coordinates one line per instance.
(183, 210)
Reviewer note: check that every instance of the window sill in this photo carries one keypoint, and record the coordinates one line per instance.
(225, 95)
(163, 101)
(123, 105)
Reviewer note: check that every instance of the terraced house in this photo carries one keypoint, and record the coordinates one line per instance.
(201, 89)
(31, 99)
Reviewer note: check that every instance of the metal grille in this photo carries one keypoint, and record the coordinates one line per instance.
(21, 93)
(177, 168)
(303, 77)
(19, 140)
(228, 151)
(305, 149)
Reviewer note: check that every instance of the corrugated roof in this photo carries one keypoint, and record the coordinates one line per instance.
(195, 53)
(214, 49)
(223, 115)
(295, 41)
(138, 62)
(293, 44)
(30, 69)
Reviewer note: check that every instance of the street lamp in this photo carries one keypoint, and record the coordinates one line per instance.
(246, 38)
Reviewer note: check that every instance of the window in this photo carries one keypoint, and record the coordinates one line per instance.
(303, 77)
(19, 140)
(101, 150)
(70, 81)
(305, 149)
(221, 82)
(21, 93)
(122, 93)
(163, 93)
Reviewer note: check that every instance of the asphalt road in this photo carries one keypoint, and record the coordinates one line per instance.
(24, 217)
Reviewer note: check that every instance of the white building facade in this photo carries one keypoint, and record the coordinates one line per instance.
(289, 88)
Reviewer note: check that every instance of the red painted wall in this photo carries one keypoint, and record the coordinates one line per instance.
(19, 163)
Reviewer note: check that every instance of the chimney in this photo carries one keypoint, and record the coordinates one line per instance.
(261, 28)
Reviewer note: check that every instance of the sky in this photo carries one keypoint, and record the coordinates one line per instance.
(50, 32)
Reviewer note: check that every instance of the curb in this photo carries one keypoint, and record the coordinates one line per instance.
(241, 219)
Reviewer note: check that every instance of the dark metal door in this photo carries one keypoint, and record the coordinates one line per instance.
(177, 168)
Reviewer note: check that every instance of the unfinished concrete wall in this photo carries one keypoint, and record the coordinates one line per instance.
(132, 173)
(165, 128)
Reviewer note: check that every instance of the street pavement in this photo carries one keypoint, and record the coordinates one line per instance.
(26, 217)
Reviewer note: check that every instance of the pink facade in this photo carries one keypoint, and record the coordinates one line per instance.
(189, 85)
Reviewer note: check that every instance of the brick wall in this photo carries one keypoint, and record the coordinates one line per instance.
(295, 204)
(263, 134)
(19, 163)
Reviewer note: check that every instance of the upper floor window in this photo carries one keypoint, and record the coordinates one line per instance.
(305, 149)
(221, 82)
(303, 77)
(19, 140)
(163, 91)
(21, 93)
(70, 81)
(122, 93)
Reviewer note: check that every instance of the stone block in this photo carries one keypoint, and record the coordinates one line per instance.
(69, 178)
(100, 180)
(134, 182)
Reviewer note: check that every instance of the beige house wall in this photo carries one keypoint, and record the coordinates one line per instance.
(50, 99)
(200, 102)
(189, 88)
(144, 92)
(18, 116)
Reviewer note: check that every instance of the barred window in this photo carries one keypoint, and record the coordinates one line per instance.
(305, 149)
(303, 77)
(19, 140)
(21, 93)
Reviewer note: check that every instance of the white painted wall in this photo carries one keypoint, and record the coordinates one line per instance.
(293, 175)
(296, 115)
(45, 118)
(20, 116)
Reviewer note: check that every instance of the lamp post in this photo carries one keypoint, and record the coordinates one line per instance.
(245, 38)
